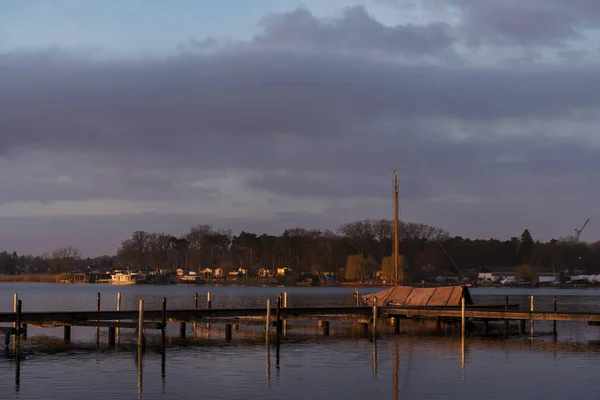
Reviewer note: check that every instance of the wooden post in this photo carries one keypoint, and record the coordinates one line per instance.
(278, 320)
(554, 322)
(462, 317)
(111, 335)
(228, 333)
(208, 301)
(374, 316)
(285, 322)
(15, 299)
(118, 331)
(141, 325)
(325, 327)
(396, 324)
(67, 333)
(164, 322)
(521, 327)
(531, 323)
(268, 319)
(195, 308)
(19, 318)
(486, 327)
(182, 328)
(506, 330)
(98, 326)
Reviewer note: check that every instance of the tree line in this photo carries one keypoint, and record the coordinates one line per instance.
(356, 251)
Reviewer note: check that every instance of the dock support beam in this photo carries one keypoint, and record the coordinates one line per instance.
(208, 301)
(375, 316)
(228, 333)
(462, 317)
(195, 308)
(164, 322)
(324, 327)
(182, 328)
(486, 327)
(118, 331)
(506, 327)
(141, 325)
(268, 319)
(98, 326)
(554, 322)
(396, 324)
(67, 333)
(521, 327)
(111, 335)
(15, 300)
(531, 323)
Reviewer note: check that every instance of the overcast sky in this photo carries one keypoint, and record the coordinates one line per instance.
(264, 115)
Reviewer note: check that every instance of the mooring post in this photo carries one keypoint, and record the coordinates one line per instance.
(195, 308)
(98, 326)
(19, 318)
(67, 333)
(141, 325)
(506, 326)
(462, 317)
(182, 328)
(396, 324)
(531, 323)
(118, 331)
(111, 335)
(285, 322)
(268, 319)
(374, 316)
(228, 333)
(521, 327)
(324, 327)
(554, 322)
(164, 322)
(208, 301)
(278, 320)
(15, 299)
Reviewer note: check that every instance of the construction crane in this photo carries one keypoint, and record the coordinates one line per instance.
(581, 228)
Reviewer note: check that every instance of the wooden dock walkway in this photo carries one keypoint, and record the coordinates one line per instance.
(276, 316)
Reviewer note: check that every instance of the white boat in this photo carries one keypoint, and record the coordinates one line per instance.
(125, 278)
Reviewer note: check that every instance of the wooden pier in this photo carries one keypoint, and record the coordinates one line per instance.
(276, 315)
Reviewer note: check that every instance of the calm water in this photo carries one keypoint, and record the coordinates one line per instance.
(418, 364)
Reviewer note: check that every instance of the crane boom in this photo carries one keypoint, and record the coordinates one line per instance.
(578, 231)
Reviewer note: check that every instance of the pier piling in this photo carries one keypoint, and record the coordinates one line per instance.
(396, 324)
(375, 316)
(506, 327)
(531, 323)
(324, 327)
(164, 322)
(98, 326)
(228, 333)
(182, 328)
(268, 319)
(140, 339)
(554, 321)
(15, 299)
(462, 317)
(195, 308)
(118, 331)
(208, 301)
(67, 333)
(111, 335)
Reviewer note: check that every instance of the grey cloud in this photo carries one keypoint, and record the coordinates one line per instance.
(355, 30)
(480, 151)
(534, 22)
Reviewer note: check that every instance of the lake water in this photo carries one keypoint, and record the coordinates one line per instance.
(420, 363)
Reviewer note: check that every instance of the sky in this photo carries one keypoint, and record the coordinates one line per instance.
(265, 115)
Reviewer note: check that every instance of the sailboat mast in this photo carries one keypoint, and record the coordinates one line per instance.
(396, 255)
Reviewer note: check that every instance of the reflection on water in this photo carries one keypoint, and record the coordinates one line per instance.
(424, 361)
